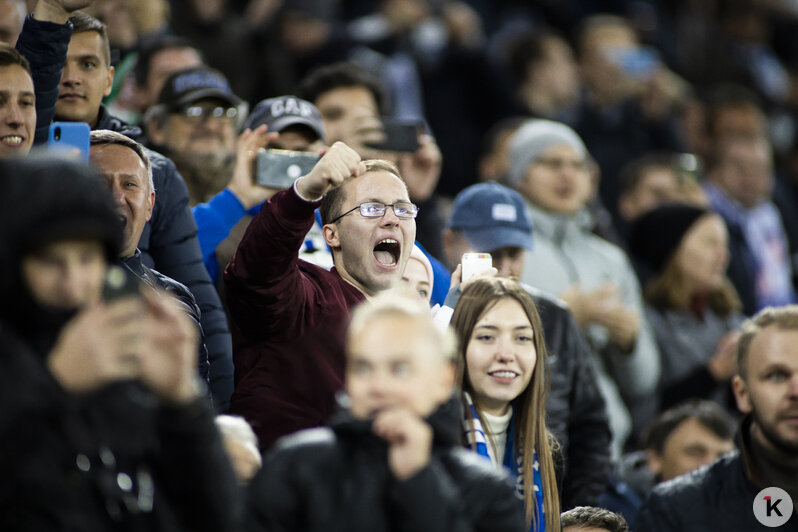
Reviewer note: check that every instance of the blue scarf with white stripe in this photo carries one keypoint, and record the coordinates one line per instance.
(513, 462)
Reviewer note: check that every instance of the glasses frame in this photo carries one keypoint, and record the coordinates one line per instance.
(384, 209)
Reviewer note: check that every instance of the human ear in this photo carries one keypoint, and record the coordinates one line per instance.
(741, 394)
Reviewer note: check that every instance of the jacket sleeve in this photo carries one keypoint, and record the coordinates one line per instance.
(272, 503)
(44, 45)
(169, 244)
(215, 220)
(432, 500)
(264, 278)
(637, 373)
(195, 470)
(588, 452)
(657, 516)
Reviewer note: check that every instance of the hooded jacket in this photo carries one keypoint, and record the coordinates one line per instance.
(338, 479)
(113, 459)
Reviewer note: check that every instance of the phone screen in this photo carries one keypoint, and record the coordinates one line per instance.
(280, 168)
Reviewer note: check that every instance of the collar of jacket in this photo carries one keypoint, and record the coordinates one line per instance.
(445, 423)
(558, 226)
(106, 120)
(135, 265)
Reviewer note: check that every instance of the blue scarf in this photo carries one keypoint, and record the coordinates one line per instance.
(513, 462)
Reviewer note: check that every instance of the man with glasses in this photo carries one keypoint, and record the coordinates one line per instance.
(288, 316)
(194, 123)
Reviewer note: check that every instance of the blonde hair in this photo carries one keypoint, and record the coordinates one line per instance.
(400, 302)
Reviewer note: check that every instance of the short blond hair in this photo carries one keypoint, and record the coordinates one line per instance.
(400, 302)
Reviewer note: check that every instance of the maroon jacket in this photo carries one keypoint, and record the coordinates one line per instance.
(288, 323)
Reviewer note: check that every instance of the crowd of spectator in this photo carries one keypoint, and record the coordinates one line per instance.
(245, 302)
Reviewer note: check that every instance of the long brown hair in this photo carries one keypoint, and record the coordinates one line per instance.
(529, 413)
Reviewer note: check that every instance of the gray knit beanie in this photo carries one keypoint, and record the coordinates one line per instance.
(535, 137)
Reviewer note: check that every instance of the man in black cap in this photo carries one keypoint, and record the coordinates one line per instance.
(194, 123)
(491, 218)
(283, 123)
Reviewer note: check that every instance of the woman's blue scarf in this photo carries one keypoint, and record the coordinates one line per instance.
(513, 462)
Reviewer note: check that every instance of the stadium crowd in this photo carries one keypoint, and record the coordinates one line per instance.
(238, 242)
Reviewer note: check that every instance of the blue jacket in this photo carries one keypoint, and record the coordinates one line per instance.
(169, 240)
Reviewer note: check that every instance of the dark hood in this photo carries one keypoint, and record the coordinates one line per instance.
(44, 200)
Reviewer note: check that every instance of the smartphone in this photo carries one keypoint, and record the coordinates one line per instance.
(400, 135)
(120, 283)
(638, 63)
(66, 137)
(475, 263)
(280, 168)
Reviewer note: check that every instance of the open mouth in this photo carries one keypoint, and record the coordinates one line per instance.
(387, 252)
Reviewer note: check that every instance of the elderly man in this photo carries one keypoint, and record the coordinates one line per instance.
(194, 123)
(721, 496)
(389, 462)
(281, 306)
(127, 171)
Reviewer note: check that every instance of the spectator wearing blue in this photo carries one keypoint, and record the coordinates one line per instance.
(491, 218)
(286, 123)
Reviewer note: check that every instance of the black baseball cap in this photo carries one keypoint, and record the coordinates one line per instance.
(190, 85)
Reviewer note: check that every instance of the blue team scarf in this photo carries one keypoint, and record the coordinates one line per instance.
(513, 462)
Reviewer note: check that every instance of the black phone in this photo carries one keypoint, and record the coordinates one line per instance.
(280, 168)
(120, 283)
(400, 135)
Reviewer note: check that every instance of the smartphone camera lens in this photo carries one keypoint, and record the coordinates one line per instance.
(57, 133)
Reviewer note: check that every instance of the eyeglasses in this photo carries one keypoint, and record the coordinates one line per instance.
(557, 164)
(374, 209)
(198, 113)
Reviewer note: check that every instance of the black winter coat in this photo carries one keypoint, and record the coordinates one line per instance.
(716, 497)
(109, 460)
(181, 293)
(337, 479)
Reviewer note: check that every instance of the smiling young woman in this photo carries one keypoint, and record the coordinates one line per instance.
(503, 373)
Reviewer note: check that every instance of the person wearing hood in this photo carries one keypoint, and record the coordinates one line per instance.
(104, 416)
(551, 168)
(391, 460)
